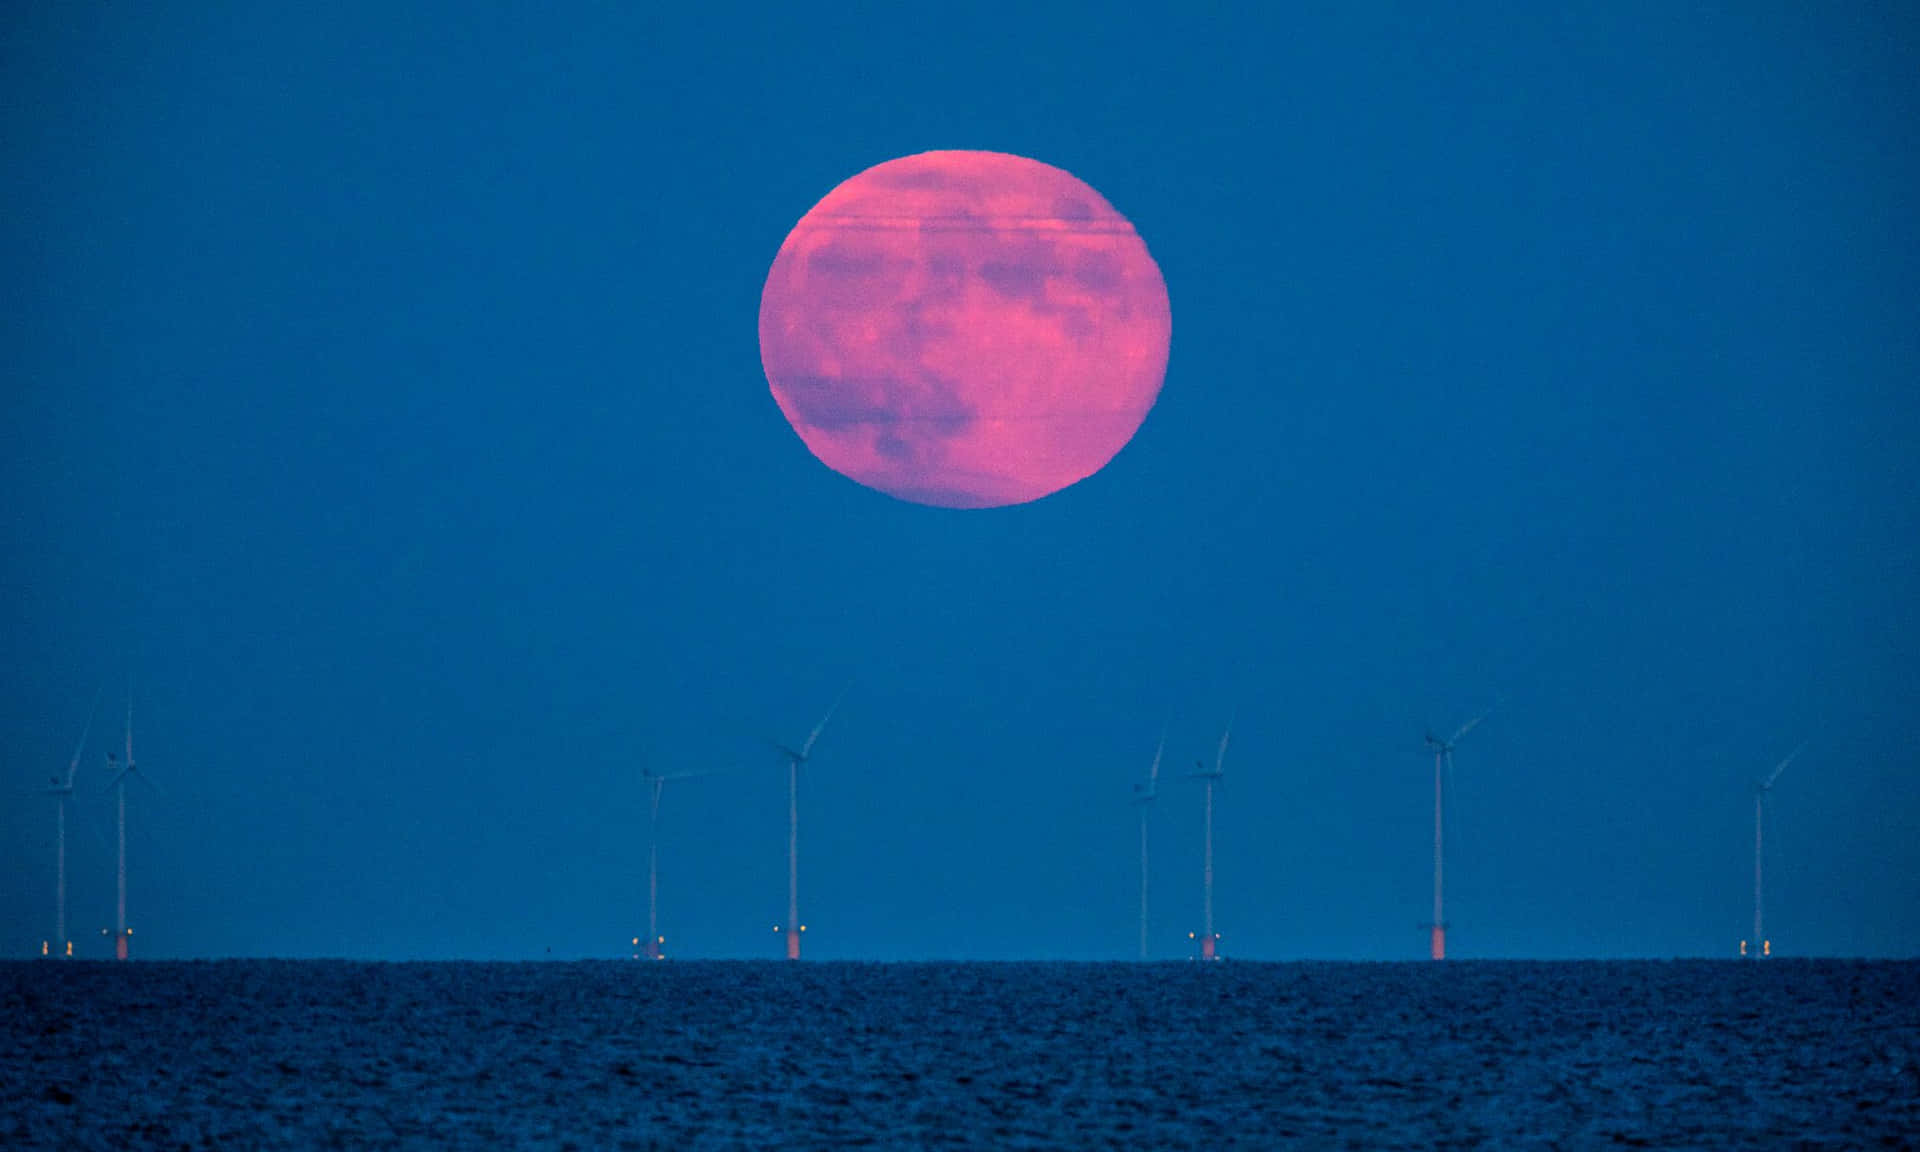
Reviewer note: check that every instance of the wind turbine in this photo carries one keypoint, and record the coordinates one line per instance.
(1762, 946)
(1210, 940)
(1143, 796)
(61, 789)
(1442, 758)
(795, 758)
(656, 781)
(121, 932)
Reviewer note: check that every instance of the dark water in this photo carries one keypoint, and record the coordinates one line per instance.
(740, 1055)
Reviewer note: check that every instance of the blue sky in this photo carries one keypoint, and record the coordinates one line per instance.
(383, 397)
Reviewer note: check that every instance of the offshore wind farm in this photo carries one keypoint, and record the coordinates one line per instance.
(1205, 942)
(685, 1051)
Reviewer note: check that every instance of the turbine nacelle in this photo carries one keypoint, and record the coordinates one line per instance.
(1219, 769)
(119, 773)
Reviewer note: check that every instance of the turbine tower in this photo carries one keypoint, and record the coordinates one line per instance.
(121, 932)
(1143, 796)
(61, 789)
(656, 781)
(1209, 939)
(1442, 759)
(795, 758)
(1761, 945)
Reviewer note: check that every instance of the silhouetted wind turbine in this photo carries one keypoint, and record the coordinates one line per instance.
(61, 789)
(795, 758)
(656, 781)
(121, 932)
(1143, 796)
(1210, 940)
(1761, 945)
(1442, 758)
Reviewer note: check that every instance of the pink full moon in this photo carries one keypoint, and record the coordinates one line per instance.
(964, 329)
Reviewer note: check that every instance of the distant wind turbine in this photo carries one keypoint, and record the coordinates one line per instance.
(121, 932)
(61, 789)
(1761, 945)
(1143, 796)
(795, 758)
(656, 781)
(1442, 758)
(1209, 939)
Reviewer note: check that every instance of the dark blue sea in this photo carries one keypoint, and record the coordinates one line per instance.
(605, 1054)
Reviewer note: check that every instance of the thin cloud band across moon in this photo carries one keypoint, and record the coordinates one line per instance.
(964, 329)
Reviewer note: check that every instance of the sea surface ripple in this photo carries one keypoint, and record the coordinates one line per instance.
(726, 1054)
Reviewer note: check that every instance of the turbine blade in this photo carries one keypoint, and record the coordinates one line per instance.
(73, 765)
(1469, 726)
(1782, 766)
(807, 748)
(1153, 774)
(99, 837)
(116, 780)
(1220, 757)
